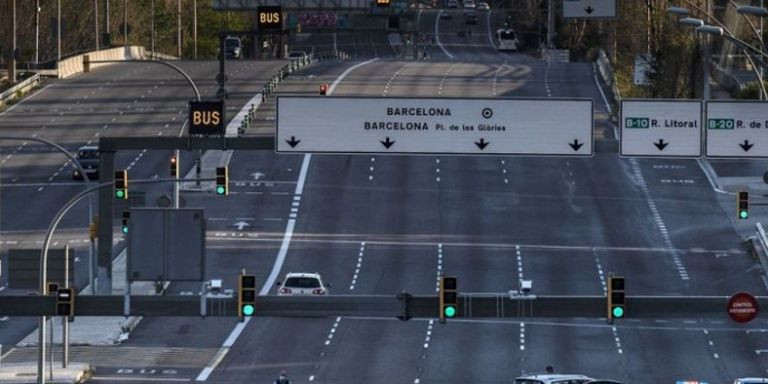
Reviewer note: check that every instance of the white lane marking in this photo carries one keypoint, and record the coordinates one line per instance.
(681, 270)
(359, 264)
(437, 35)
(617, 340)
(203, 376)
(600, 273)
(711, 175)
(495, 79)
(519, 261)
(346, 72)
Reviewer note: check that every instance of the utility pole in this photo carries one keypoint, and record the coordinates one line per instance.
(194, 28)
(12, 61)
(125, 22)
(58, 32)
(37, 32)
(550, 22)
(107, 40)
(152, 29)
(178, 34)
(95, 21)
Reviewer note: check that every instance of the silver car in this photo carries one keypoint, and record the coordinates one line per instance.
(551, 378)
(751, 380)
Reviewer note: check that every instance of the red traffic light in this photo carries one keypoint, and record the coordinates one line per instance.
(323, 89)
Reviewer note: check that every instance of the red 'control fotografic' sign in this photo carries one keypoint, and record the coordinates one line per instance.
(742, 307)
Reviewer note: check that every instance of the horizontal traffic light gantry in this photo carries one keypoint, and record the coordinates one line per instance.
(121, 184)
(222, 181)
(616, 298)
(448, 297)
(246, 295)
(742, 205)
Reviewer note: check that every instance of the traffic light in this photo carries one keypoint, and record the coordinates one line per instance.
(743, 205)
(121, 184)
(174, 166)
(323, 89)
(222, 181)
(126, 216)
(448, 298)
(65, 302)
(246, 295)
(616, 298)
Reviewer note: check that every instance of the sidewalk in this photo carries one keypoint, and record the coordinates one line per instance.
(85, 330)
(18, 373)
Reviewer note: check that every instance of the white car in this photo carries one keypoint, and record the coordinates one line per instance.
(483, 6)
(453, 3)
(551, 378)
(751, 380)
(469, 4)
(304, 284)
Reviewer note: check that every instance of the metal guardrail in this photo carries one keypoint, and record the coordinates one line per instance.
(271, 86)
(762, 254)
(606, 73)
(22, 87)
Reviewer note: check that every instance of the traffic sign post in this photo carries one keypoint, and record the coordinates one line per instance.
(554, 127)
(737, 129)
(589, 9)
(742, 307)
(661, 128)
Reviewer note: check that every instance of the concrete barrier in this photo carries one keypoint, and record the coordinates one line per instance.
(74, 65)
(22, 87)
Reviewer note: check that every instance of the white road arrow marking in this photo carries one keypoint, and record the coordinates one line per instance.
(241, 224)
(257, 175)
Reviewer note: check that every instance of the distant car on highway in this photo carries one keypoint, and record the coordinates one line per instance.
(604, 382)
(751, 380)
(550, 378)
(233, 47)
(483, 6)
(88, 158)
(297, 55)
(469, 4)
(470, 18)
(303, 284)
(453, 3)
(445, 15)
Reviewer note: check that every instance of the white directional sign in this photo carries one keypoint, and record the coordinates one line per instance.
(589, 9)
(434, 125)
(661, 128)
(737, 129)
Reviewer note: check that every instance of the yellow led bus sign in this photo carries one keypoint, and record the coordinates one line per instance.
(270, 18)
(206, 118)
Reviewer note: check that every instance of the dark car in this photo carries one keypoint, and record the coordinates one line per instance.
(470, 18)
(88, 158)
(604, 382)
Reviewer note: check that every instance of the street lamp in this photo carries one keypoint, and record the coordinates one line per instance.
(692, 21)
(679, 11)
(751, 10)
(718, 31)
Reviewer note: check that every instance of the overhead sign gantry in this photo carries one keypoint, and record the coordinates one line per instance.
(554, 127)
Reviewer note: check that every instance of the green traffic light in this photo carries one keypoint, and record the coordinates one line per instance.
(220, 190)
(248, 309)
(618, 312)
(125, 229)
(743, 214)
(450, 311)
(119, 193)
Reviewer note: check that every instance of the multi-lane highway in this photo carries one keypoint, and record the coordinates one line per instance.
(384, 224)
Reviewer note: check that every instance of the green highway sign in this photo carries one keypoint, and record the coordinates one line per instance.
(637, 122)
(720, 124)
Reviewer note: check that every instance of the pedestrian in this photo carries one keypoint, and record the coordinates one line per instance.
(283, 378)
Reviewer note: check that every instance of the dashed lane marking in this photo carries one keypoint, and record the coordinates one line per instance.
(357, 266)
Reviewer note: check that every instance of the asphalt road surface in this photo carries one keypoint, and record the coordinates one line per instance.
(383, 224)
